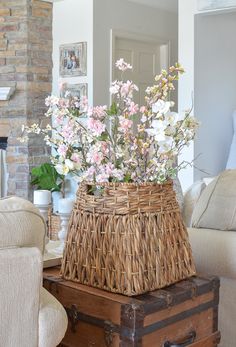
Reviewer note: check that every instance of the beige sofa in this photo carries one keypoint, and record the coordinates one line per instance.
(214, 250)
(29, 315)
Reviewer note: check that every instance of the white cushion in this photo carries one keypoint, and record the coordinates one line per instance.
(52, 320)
(215, 209)
(214, 251)
(21, 224)
(190, 198)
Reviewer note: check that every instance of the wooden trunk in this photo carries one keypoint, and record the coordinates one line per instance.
(184, 314)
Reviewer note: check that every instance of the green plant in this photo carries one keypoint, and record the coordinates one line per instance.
(46, 177)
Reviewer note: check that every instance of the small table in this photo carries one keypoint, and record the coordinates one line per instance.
(184, 314)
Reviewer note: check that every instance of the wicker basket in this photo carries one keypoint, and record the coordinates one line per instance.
(129, 240)
(54, 224)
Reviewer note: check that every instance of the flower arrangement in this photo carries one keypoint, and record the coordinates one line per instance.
(101, 144)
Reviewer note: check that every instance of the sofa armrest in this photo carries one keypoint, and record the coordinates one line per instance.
(20, 283)
(214, 251)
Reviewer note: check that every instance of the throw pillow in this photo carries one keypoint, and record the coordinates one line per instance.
(190, 199)
(215, 209)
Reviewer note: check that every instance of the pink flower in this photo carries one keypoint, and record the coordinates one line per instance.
(89, 174)
(122, 65)
(94, 156)
(125, 124)
(115, 87)
(59, 119)
(62, 150)
(97, 112)
(133, 108)
(84, 104)
(143, 109)
(51, 101)
(91, 171)
(96, 127)
(76, 158)
(68, 133)
(127, 89)
(104, 147)
(63, 103)
(109, 169)
(102, 177)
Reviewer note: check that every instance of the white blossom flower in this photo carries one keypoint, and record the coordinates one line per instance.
(161, 106)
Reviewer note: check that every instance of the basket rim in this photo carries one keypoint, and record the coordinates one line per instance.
(129, 184)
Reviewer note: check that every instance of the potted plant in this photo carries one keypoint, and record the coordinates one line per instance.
(45, 178)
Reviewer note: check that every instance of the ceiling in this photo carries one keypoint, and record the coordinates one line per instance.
(169, 5)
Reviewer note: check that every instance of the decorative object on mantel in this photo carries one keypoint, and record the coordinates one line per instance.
(126, 233)
(6, 93)
(204, 5)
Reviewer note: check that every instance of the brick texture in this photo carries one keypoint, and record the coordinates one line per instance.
(26, 63)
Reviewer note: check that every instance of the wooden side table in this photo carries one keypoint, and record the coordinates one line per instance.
(184, 314)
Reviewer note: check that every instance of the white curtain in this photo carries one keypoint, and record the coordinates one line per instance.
(3, 174)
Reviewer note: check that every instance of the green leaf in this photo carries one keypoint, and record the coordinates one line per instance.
(127, 178)
(103, 137)
(113, 109)
(46, 177)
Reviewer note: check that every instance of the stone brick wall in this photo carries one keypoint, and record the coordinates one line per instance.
(25, 63)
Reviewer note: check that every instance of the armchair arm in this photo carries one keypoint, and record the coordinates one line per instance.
(214, 251)
(20, 282)
(21, 224)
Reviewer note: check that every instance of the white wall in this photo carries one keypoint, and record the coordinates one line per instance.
(73, 22)
(187, 9)
(126, 16)
(215, 90)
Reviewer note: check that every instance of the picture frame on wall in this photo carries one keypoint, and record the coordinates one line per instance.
(73, 59)
(203, 5)
(78, 90)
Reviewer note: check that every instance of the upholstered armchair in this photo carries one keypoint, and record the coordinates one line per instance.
(29, 315)
(209, 213)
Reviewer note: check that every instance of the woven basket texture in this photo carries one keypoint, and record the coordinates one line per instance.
(130, 240)
(54, 224)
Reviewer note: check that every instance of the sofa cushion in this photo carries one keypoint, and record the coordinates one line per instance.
(21, 224)
(52, 320)
(207, 245)
(216, 207)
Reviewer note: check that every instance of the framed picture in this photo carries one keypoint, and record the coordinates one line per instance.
(73, 59)
(79, 90)
(215, 4)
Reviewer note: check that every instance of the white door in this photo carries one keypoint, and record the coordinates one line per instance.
(147, 59)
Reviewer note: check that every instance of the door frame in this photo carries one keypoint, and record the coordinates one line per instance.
(163, 42)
